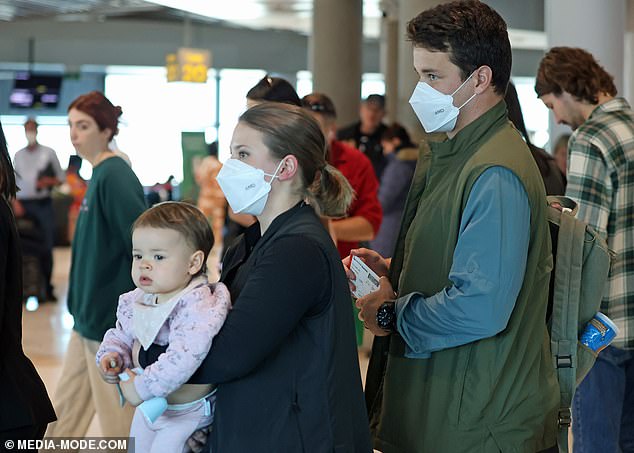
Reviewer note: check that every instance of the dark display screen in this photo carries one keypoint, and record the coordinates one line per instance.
(32, 91)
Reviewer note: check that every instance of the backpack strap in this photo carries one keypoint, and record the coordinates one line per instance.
(565, 314)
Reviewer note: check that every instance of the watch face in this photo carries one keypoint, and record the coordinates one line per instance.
(386, 316)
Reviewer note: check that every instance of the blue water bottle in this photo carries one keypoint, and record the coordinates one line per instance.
(599, 332)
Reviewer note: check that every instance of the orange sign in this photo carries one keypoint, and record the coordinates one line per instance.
(188, 65)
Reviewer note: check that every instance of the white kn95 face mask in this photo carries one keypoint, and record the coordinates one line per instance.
(244, 186)
(435, 110)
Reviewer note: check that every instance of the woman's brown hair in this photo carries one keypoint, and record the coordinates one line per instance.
(288, 129)
(575, 71)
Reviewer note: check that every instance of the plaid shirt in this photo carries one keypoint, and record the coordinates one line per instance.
(601, 180)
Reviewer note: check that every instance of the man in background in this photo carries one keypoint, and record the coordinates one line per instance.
(365, 214)
(365, 134)
(38, 171)
(582, 95)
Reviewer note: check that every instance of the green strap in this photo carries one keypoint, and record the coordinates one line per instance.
(566, 312)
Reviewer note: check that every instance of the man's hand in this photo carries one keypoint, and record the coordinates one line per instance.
(370, 304)
(128, 389)
(376, 262)
(18, 209)
(110, 366)
(45, 182)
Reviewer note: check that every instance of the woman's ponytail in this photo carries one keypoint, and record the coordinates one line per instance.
(331, 193)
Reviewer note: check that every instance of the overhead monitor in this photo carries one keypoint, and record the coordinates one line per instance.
(33, 90)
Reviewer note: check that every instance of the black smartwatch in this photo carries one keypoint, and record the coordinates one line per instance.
(386, 316)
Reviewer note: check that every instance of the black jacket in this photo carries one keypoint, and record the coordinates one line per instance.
(285, 361)
(370, 145)
(23, 398)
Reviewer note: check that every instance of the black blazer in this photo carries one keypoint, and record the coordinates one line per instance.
(23, 398)
(286, 361)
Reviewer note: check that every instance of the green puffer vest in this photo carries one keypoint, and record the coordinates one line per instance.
(492, 395)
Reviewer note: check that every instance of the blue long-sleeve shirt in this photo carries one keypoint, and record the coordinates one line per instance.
(488, 269)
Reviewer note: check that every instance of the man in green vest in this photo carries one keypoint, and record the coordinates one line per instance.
(461, 362)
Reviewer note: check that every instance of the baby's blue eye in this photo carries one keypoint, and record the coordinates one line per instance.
(136, 256)
(158, 257)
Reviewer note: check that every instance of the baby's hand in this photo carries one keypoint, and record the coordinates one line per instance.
(111, 365)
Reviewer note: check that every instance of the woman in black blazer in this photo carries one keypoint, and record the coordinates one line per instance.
(285, 361)
(25, 409)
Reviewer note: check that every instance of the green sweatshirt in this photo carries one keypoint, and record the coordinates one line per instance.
(495, 394)
(102, 247)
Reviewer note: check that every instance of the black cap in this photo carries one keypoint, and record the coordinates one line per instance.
(320, 103)
(377, 99)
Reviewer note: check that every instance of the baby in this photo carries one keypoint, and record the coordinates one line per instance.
(173, 305)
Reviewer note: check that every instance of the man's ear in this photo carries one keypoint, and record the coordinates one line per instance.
(483, 79)
(196, 262)
(288, 168)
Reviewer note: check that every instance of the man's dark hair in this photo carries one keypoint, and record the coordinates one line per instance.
(575, 71)
(472, 33)
(376, 99)
(274, 89)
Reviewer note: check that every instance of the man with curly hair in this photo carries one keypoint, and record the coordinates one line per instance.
(582, 95)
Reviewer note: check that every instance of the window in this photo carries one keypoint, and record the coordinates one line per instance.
(234, 85)
(534, 111)
(371, 83)
(155, 113)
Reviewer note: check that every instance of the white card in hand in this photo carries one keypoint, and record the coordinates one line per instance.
(367, 281)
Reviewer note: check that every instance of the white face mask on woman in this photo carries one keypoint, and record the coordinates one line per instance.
(244, 186)
(435, 110)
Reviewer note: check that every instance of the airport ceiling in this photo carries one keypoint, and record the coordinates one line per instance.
(14, 10)
(260, 14)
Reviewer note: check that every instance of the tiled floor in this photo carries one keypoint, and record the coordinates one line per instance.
(46, 331)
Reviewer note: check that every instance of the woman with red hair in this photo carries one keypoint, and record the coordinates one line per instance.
(100, 270)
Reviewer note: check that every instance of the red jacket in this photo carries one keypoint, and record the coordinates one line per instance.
(357, 168)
